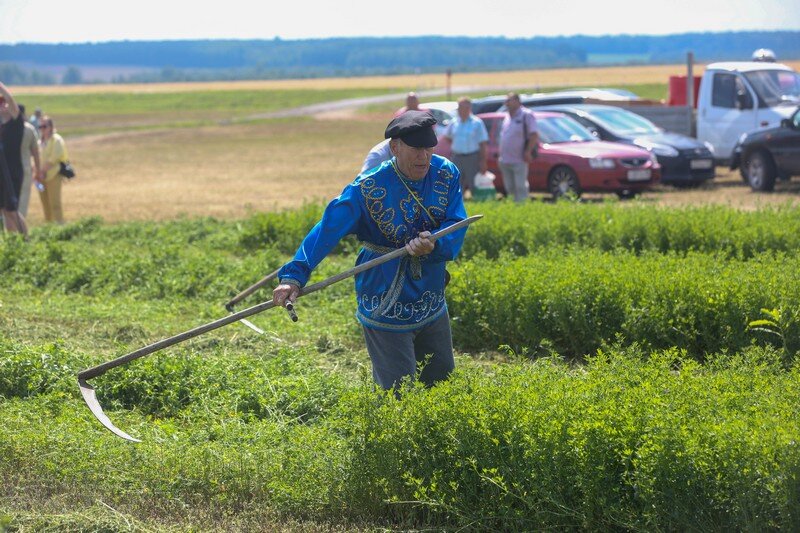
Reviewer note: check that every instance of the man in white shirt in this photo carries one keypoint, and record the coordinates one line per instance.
(379, 153)
(519, 142)
(469, 138)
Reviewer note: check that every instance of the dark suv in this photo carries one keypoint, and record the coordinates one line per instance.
(765, 155)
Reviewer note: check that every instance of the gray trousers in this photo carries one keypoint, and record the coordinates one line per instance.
(467, 165)
(515, 178)
(395, 354)
(25, 192)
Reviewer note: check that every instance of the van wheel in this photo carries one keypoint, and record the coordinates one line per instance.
(761, 172)
(563, 183)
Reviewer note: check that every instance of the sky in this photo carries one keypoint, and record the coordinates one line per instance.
(72, 21)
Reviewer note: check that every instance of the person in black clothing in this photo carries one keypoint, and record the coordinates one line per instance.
(11, 171)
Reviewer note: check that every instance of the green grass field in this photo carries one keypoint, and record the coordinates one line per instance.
(284, 431)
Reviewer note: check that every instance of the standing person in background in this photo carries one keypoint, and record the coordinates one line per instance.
(412, 102)
(30, 149)
(519, 142)
(380, 152)
(13, 126)
(469, 138)
(52, 152)
(35, 119)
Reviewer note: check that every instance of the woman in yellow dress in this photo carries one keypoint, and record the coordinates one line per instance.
(52, 152)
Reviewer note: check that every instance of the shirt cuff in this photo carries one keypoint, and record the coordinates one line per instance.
(291, 281)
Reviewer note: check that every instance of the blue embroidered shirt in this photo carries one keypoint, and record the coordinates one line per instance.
(380, 208)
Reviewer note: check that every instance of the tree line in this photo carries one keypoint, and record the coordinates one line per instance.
(277, 58)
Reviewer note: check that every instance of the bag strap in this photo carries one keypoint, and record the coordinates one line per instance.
(524, 132)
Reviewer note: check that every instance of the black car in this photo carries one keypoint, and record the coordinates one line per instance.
(490, 104)
(765, 155)
(685, 161)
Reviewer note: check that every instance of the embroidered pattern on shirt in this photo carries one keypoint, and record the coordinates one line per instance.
(429, 303)
(382, 215)
(395, 231)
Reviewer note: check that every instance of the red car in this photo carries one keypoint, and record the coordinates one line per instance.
(571, 160)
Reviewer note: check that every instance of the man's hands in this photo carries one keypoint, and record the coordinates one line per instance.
(422, 245)
(285, 292)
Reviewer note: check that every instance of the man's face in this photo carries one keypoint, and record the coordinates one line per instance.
(512, 103)
(464, 110)
(413, 162)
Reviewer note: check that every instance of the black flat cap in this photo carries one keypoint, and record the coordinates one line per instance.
(415, 128)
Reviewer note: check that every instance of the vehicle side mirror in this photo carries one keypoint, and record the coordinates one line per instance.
(743, 101)
(787, 123)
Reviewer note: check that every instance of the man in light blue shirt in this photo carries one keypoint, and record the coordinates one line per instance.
(468, 137)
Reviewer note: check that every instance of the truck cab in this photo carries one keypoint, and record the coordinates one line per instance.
(740, 97)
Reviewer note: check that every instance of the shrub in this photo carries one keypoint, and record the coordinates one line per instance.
(578, 300)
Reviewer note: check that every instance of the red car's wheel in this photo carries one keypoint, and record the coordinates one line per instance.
(563, 182)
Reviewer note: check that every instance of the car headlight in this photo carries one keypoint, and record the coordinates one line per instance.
(711, 146)
(601, 162)
(659, 149)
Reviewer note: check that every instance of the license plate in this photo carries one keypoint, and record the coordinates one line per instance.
(700, 163)
(639, 175)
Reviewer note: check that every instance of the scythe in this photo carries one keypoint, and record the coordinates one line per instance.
(88, 392)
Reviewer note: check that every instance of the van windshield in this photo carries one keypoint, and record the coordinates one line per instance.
(775, 87)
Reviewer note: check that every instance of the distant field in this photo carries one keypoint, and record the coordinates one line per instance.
(161, 151)
(544, 77)
(227, 171)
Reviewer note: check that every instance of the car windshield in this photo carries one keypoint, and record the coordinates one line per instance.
(624, 123)
(775, 87)
(562, 130)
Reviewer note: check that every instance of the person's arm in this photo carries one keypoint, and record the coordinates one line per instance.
(483, 140)
(482, 163)
(13, 108)
(533, 138)
(339, 219)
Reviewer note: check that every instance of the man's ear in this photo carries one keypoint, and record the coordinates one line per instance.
(393, 146)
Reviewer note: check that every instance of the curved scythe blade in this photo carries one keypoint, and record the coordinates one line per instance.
(90, 398)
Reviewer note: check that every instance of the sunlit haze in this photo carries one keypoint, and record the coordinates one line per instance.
(49, 21)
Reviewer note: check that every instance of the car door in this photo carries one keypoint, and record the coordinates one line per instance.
(785, 147)
(730, 113)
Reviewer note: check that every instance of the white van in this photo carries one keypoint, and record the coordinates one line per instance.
(739, 97)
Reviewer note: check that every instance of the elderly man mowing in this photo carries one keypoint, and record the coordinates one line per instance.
(401, 304)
